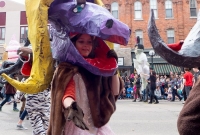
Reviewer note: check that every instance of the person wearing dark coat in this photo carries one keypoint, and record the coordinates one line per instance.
(10, 91)
(152, 80)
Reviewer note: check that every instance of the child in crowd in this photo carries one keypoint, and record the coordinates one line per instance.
(158, 92)
(169, 92)
(179, 91)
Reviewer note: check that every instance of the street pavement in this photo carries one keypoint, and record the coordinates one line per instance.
(130, 118)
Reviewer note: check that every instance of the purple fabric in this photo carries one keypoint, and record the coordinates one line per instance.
(91, 20)
(56, 2)
(63, 50)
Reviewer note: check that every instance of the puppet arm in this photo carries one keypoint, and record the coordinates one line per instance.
(137, 61)
(115, 84)
(147, 75)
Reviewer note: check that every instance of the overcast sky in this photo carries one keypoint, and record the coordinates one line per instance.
(19, 1)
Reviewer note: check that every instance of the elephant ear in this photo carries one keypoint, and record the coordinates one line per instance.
(187, 56)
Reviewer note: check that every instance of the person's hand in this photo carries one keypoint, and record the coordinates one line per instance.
(24, 51)
(75, 113)
(112, 54)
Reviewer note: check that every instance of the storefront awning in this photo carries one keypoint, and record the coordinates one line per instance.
(165, 69)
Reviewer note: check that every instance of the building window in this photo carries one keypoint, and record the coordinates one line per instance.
(153, 5)
(2, 18)
(2, 35)
(140, 34)
(193, 8)
(114, 9)
(138, 10)
(170, 36)
(23, 18)
(23, 33)
(168, 9)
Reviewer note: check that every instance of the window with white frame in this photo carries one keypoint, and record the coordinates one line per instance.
(23, 33)
(114, 9)
(138, 10)
(140, 34)
(2, 35)
(153, 5)
(193, 8)
(170, 36)
(168, 9)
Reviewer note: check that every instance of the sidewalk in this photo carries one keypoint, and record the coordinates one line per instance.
(9, 120)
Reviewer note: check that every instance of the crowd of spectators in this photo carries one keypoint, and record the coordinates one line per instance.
(174, 86)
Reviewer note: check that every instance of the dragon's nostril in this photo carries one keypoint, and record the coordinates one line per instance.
(109, 23)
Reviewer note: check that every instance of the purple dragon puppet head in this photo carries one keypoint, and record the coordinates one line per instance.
(86, 18)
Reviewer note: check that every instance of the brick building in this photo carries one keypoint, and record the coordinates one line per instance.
(174, 20)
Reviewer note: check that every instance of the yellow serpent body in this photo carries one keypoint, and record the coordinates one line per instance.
(42, 69)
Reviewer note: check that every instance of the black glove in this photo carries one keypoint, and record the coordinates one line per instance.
(75, 113)
(113, 54)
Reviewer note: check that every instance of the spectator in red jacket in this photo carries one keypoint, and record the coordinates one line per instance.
(187, 81)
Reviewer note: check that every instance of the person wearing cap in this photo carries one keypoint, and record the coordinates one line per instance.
(10, 91)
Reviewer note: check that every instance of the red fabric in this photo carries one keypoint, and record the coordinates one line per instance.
(104, 64)
(26, 68)
(101, 61)
(9, 89)
(70, 90)
(176, 46)
(188, 79)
